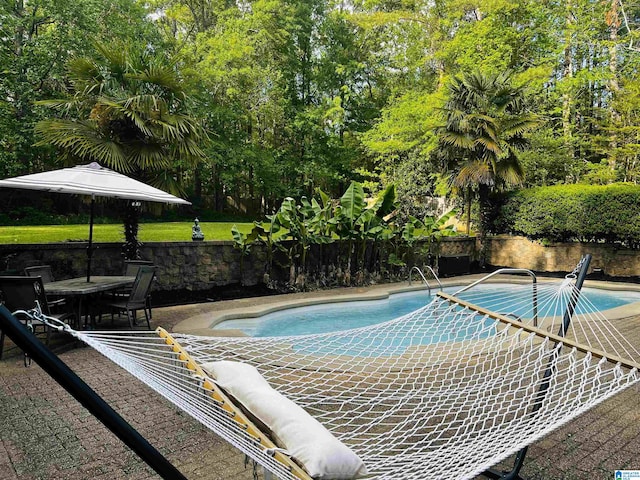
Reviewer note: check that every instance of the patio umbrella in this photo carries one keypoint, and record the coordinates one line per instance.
(93, 180)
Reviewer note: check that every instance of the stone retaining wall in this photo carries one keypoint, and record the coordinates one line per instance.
(193, 266)
(197, 266)
(519, 252)
(181, 265)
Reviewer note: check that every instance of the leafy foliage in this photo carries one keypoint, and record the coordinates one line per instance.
(303, 94)
(363, 230)
(486, 124)
(589, 213)
(37, 39)
(485, 127)
(128, 112)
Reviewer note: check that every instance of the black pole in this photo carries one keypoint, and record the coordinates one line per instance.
(575, 295)
(564, 328)
(90, 247)
(73, 384)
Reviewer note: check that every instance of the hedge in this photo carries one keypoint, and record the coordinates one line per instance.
(588, 213)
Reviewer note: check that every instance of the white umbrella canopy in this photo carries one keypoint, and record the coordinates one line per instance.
(93, 180)
(96, 181)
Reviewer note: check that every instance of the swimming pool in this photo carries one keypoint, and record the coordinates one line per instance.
(332, 317)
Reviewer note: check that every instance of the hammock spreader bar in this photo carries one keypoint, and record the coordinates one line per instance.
(219, 396)
(630, 364)
(73, 384)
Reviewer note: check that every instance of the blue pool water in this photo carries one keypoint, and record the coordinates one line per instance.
(331, 317)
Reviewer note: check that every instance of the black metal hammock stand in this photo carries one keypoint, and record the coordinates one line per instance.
(87, 397)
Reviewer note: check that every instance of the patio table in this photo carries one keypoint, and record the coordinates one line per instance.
(79, 290)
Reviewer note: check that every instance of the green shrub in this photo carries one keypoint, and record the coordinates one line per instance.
(21, 216)
(588, 213)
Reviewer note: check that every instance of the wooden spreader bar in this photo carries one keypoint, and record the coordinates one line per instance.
(630, 364)
(228, 406)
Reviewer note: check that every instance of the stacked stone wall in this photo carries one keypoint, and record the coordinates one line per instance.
(519, 252)
(197, 266)
(194, 266)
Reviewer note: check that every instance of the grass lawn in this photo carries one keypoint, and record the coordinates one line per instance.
(149, 232)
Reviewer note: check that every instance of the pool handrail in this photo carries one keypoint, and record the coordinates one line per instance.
(424, 279)
(534, 281)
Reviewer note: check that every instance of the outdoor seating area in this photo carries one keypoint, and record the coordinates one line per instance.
(320, 241)
(592, 446)
(79, 303)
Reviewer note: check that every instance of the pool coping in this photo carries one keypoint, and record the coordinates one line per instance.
(213, 313)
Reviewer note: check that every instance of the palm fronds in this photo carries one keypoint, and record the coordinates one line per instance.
(128, 112)
(486, 123)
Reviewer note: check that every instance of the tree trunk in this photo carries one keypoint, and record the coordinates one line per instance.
(483, 207)
(18, 50)
(613, 21)
(219, 200)
(131, 247)
(197, 181)
(469, 211)
(567, 72)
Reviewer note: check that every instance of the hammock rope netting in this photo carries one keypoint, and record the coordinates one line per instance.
(444, 392)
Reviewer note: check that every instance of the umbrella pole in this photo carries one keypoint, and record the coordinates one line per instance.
(90, 247)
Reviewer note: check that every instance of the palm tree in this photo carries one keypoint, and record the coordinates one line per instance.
(486, 123)
(127, 111)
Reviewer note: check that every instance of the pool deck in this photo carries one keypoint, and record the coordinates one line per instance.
(46, 435)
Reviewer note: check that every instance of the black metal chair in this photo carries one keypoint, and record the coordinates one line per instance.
(43, 271)
(26, 293)
(137, 298)
(131, 268)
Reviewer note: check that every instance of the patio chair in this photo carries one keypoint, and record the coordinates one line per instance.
(131, 268)
(44, 272)
(25, 293)
(137, 298)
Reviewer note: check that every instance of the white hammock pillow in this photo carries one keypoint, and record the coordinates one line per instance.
(323, 455)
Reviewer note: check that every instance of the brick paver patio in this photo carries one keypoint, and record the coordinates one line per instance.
(46, 434)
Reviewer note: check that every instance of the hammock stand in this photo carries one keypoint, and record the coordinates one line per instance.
(88, 398)
(581, 269)
(100, 409)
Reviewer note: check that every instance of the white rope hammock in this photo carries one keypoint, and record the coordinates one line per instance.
(444, 392)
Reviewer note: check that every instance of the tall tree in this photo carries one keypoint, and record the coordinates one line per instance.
(37, 37)
(613, 21)
(128, 112)
(486, 123)
(567, 73)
